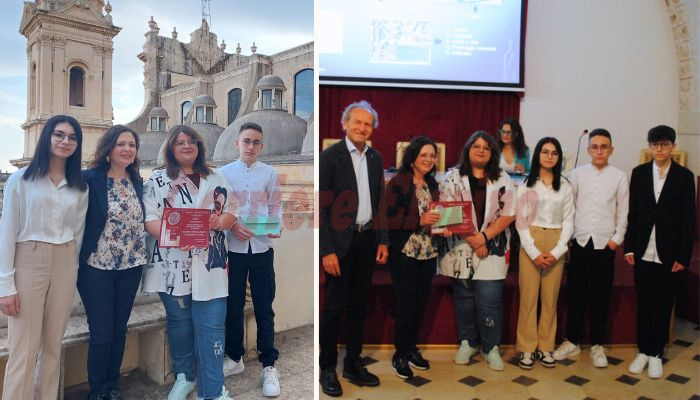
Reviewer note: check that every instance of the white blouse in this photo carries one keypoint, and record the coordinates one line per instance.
(545, 207)
(200, 272)
(39, 211)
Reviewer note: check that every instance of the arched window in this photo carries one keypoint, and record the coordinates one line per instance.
(32, 87)
(77, 87)
(304, 93)
(184, 109)
(234, 104)
(267, 99)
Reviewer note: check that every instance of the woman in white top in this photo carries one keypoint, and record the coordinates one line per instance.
(41, 230)
(545, 222)
(192, 286)
(478, 294)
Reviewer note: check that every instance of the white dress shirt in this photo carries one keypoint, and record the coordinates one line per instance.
(36, 210)
(359, 163)
(258, 192)
(545, 207)
(651, 254)
(601, 201)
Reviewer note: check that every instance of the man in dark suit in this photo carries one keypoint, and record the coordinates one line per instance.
(352, 239)
(658, 243)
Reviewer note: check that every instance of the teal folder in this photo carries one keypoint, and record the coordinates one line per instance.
(263, 225)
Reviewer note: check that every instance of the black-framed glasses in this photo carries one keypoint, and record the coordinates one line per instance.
(60, 137)
(505, 132)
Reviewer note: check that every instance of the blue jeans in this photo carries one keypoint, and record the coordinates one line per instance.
(108, 296)
(196, 336)
(259, 270)
(479, 311)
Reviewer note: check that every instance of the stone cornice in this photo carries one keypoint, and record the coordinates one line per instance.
(293, 52)
(38, 17)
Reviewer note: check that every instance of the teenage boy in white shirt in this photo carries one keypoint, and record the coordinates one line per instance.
(250, 257)
(601, 196)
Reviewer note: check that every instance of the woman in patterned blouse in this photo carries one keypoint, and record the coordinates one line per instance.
(411, 251)
(112, 255)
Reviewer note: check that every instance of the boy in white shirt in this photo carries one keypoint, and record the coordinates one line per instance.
(250, 257)
(600, 221)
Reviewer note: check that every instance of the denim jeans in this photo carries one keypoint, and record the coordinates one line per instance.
(259, 270)
(108, 296)
(196, 336)
(479, 311)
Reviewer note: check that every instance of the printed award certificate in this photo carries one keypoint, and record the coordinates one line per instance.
(455, 216)
(184, 227)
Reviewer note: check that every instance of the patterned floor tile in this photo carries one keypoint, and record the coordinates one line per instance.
(566, 361)
(697, 357)
(577, 380)
(626, 379)
(471, 381)
(614, 360)
(682, 343)
(367, 361)
(678, 379)
(524, 380)
(418, 381)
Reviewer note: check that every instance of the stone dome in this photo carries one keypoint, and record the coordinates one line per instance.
(204, 100)
(158, 112)
(151, 143)
(270, 82)
(210, 133)
(283, 134)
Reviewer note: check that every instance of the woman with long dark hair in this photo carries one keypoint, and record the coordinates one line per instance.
(192, 286)
(545, 223)
(515, 155)
(411, 251)
(478, 294)
(112, 255)
(41, 231)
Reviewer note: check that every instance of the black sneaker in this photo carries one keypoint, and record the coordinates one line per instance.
(399, 364)
(329, 383)
(526, 360)
(358, 374)
(416, 360)
(546, 358)
(115, 394)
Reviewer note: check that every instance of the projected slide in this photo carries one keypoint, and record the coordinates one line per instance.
(442, 42)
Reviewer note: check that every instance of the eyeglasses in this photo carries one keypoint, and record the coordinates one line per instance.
(504, 132)
(661, 145)
(595, 147)
(547, 153)
(248, 142)
(182, 143)
(60, 136)
(486, 149)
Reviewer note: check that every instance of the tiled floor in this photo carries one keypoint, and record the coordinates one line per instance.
(573, 379)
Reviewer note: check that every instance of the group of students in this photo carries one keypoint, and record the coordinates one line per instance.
(98, 228)
(590, 215)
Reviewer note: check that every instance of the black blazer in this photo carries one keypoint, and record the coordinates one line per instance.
(673, 215)
(402, 209)
(96, 217)
(338, 198)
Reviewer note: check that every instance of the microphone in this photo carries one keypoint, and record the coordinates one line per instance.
(578, 147)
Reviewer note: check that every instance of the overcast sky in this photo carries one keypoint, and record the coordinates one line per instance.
(274, 25)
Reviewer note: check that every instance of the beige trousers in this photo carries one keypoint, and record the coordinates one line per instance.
(45, 277)
(543, 284)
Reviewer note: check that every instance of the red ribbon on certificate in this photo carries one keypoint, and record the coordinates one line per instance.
(182, 227)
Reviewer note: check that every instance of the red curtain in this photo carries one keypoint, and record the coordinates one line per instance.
(447, 116)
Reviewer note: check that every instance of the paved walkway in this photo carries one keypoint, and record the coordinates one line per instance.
(295, 366)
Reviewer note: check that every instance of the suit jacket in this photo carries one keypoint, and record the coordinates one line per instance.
(673, 214)
(402, 209)
(96, 217)
(338, 198)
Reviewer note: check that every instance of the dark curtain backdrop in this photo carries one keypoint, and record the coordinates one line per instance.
(447, 116)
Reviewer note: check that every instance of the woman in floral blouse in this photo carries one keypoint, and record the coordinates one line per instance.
(192, 285)
(411, 251)
(112, 255)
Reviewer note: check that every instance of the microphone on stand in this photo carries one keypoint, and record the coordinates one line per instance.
(578, 147)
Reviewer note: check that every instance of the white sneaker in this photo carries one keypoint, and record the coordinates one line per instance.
(639, 363)
(656, 368)
(181, 388)
(270, 382)
(223, 396)
(566, 350)
(598, 356)
(465, 352)
(232, 367)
